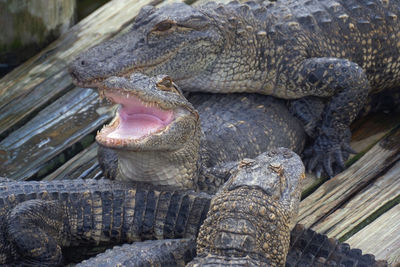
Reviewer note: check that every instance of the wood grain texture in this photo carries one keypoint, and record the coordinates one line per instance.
(58, 126)
(84, 165)
(340, 189)
(381, 237)
(363, 204)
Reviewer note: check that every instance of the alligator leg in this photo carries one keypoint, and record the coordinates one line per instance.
(34, 229)
(108, 160)
(309, 111)
(347, 85)
(38, 219)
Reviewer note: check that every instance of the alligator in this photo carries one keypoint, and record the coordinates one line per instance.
(39, 219)
(159, 137)
(337, 50)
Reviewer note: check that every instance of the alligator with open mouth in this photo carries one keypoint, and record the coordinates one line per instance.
(159, 137)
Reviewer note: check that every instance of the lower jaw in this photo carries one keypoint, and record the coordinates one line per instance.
(155, 168)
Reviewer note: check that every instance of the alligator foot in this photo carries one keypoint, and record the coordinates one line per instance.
(328, 154)
(34, 230)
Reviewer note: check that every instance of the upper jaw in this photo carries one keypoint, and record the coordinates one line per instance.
(87, 84)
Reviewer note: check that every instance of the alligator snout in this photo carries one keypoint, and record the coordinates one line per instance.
(81, 71)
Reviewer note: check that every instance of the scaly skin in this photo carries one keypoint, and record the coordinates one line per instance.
(188, 152)
(168, 252)
(307, 248)
(38, 219)
(248, 224)
(339, 50)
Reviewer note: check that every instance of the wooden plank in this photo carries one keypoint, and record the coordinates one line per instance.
(30, 87)
(55, 128)
(363, 204)
(337, 191)
(369, 130)
(82, 166)
(381, 237)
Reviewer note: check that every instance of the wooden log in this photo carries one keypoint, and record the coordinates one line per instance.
(30, 87)
(84, 165)
(366, 202)
(58, 126)
(381, 237)
(28, 26)
(340, 189)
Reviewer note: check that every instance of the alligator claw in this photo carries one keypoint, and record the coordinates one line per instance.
(327, 156)
(312, 162)
(328, 165)
(339, 159)
(347, 148)
(318, 171)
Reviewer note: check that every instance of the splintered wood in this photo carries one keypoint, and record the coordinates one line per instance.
(347, 200)
(381, 237)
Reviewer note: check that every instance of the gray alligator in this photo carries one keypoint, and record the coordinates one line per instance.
(39, 219)
(158, 142)
(337, 50)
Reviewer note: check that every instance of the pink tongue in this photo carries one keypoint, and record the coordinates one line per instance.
(136, 126)
(137, 119)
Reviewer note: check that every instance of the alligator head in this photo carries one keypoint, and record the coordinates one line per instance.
(200, 49)
(155, 132)
(171, 39)
(250, 218)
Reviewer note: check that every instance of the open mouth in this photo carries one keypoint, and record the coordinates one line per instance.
(135, 119)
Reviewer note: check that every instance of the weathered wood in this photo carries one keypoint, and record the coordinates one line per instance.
(363, 204)
(55, 128)
(45, 78)
(381, 237)
(334, 193)
(28, 26)
(34, 84)
(84, 165)
(368, 130)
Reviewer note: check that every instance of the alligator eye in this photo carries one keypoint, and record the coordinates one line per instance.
(164, 25)
(165, 83)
